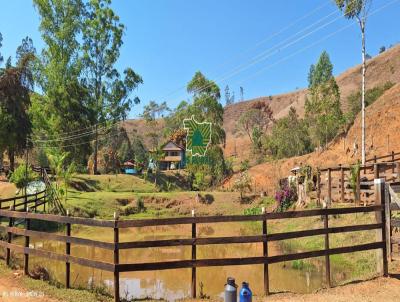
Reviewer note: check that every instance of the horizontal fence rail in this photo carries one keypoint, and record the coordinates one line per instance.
(116, 267)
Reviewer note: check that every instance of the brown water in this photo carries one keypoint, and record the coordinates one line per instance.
(175, 284)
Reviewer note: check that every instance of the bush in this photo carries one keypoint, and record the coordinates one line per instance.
(19, 177)
(285, 198)
(129, 210)
(140, 204)
(371, 95)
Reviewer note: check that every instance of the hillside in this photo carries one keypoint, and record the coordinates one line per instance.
(383, 126)
(380, 69)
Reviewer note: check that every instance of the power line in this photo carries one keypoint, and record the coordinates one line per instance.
(260, 42)
(76, 136)
(108, 135)
(274, 50)
(316, 42)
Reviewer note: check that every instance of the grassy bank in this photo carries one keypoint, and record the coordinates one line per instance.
(347, 267)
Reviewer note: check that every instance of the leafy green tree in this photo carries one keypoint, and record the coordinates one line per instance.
(322, 108)
(108, 92)
(358, 9)
(15, 125)
(289, 137)
(64, 172)
(59, 75)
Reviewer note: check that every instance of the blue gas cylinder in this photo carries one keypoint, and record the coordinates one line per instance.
(245, 293)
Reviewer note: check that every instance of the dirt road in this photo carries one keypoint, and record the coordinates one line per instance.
(11, 291)
(380, 289)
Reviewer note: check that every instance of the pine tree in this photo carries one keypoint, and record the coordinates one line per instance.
(322, 108)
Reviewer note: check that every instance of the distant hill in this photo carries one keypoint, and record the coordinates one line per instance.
(380, 69)
(382, 136)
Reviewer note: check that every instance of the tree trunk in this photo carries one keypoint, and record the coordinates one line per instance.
(96, 146)
(362, 25)
(11, 157)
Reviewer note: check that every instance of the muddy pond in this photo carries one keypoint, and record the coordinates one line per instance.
(175, 284)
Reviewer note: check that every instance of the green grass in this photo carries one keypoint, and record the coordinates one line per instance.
(359, 265)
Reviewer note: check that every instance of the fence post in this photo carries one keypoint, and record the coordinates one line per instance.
(329, 186)
(327, 260)
(387, 222)
(393, 162)
(380, 216)
(358, 189)
(341, 183)
(376, 170)
(68, 252)
(116, 259)
(26, 253)
(318, 187)
(265, 254)
(193, 287)
(9, 237)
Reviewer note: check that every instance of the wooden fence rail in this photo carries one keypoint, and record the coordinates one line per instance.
(335, 183)
(116, 267)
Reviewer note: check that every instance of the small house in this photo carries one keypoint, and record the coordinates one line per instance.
(174, 156)
(128, 167)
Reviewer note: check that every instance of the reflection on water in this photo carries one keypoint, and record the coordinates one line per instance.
(175, 284)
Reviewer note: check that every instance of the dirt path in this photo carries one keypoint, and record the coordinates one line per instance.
(11, 291)
(380, 289)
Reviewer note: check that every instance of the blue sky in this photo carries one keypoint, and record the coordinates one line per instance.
(264, 46)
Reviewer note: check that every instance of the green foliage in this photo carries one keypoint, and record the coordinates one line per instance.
(64, 172)
(22, 176)
(244, 165)
(201, 181)
(371, 95)
(59, 75)
(323, 114)
(140, 204)
(102, 38)
(205, 107)
(16, 82)
(289, 137)
(253, 211)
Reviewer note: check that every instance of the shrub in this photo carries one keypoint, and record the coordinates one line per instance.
(285, 198)
(19, 177)
(129, 210)
(140, 204)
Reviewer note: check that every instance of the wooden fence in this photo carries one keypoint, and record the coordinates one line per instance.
(116, 246)
(335, 183)
(392, 220)
(32, 201)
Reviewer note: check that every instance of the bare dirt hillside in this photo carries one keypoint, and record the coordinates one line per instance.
(383, 128)
(380, 69)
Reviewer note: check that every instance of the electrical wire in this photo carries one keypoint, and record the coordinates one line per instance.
(270, 37)
(316, 42)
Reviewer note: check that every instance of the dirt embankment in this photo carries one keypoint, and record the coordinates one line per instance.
(382, 136)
